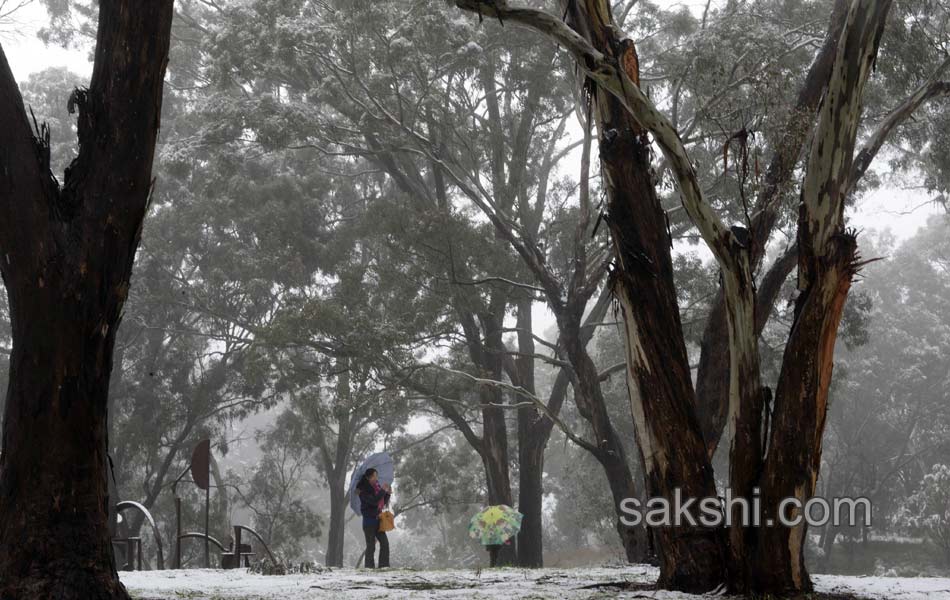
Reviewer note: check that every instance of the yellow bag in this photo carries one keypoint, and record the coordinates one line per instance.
(387, 521)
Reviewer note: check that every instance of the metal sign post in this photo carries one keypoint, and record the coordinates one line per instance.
(200, 468)
(201, 474)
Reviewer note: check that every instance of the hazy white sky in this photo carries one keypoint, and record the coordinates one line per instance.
(902, 211)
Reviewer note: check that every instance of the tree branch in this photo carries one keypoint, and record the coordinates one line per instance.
(23, 192)
(590, 447)
(831, 158)
(607, 74)
(928, 90)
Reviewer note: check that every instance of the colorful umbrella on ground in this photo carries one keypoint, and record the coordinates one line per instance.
(383, 463)
(495, 525)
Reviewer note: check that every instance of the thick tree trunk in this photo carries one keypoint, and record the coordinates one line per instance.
(494, 450)
(499, 492)
(495, 460)
(335, 461)
(530, 501)
(67, 261)
(826, 265)
(794, 459)
(54, 490)
(691, 558)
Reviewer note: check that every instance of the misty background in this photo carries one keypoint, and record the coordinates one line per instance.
(276, 239)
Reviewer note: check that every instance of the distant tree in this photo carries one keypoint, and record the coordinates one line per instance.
(271, 489)
(441, 485)
(928, 509)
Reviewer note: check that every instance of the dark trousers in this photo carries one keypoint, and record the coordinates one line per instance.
(493, 555)
(373, 535)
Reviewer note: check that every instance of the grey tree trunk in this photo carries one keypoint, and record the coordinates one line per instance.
(337, 532)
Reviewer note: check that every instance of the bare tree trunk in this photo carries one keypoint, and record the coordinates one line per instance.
(494, 452)
(534, 430)
(794, 457)
(495, 459)
(335, 461)
(337, 532)
(67, 262)
(530, 500)
(691, 558)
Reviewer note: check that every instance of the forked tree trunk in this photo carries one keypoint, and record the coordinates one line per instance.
(712, 387)
(769, 559)
(66, 261)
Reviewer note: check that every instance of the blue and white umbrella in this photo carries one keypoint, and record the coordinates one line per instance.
(383, 463)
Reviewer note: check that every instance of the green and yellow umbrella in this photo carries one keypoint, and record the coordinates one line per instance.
(495, 525)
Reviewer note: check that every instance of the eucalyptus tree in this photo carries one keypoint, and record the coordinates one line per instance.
(438, 492)
(272, 490)
(175, 375)
(342, 425)
(69, 251)
(775, 446)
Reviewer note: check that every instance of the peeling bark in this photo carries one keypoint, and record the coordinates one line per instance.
(712, 388)
(661, 394)
(826, 265)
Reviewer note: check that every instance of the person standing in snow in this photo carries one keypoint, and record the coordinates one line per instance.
(373, 497)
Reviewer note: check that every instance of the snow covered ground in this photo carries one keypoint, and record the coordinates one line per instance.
(542, 584)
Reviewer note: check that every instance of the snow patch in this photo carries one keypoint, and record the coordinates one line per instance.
(548, 583)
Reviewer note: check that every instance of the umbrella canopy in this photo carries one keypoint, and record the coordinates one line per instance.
(383, 463)
(495, 525)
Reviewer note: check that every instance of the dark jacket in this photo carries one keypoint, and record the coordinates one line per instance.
(369, 500)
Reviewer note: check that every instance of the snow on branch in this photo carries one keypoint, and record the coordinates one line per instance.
(932, 88)
(608, 74)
